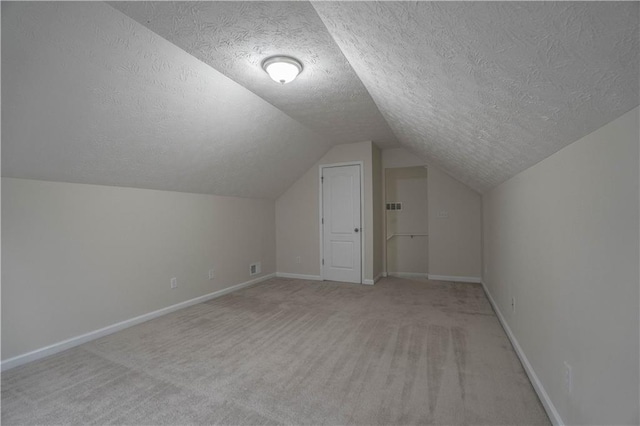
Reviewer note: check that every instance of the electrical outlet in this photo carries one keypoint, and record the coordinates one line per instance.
(298, 260)
(174, 282)
(568, 378)
(513, 304)
(211, 274)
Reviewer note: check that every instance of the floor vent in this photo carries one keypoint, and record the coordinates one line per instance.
(255, 268)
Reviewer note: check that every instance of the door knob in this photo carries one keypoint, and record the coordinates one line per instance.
(357, 229)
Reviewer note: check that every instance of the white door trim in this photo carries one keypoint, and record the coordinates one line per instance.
(320, 210)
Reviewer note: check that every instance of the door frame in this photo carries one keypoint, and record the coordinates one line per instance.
(321, 208)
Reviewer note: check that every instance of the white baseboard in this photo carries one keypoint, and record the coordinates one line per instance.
(408, 274)
(373, 281)
(298, 276)
(96, 334)
(537, 385)
(384, 274)
(318, 278)
(456, 279)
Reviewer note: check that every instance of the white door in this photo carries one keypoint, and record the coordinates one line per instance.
(341, 229)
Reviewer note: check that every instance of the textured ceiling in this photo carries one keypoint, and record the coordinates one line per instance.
(481, 89)
(235, 37)
(91, 96)
(487, 89)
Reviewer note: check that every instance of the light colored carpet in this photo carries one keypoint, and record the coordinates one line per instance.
(291, 352)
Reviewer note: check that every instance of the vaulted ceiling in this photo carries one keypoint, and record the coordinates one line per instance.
(488, 89)
(170, 95)
(235, 37)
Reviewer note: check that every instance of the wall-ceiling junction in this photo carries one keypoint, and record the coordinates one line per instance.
(235, 37)
(91, 96)
(171, 95)
(487, 89)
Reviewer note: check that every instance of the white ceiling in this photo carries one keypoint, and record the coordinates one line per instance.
(235, 37)
(484, 90)
(488, 89)
(91, 96)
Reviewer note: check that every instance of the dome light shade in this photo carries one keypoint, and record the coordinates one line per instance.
(282, 69)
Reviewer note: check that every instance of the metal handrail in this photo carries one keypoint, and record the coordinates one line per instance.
(406, 235)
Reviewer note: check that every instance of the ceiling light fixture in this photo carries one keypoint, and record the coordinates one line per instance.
(282, 69)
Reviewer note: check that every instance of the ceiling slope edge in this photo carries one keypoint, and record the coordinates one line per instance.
(485, 90)
(383, 144)
(91, 96)
(235, 37)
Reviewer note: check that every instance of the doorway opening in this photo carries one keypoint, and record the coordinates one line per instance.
(406, 222)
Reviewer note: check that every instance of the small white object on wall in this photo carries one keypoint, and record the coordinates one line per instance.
(255, 268)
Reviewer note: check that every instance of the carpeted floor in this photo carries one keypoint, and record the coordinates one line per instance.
(291, 352)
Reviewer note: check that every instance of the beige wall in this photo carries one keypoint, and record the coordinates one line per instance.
(454, 242)
(297, 215)
(407, 254)
(400, 157)
(562, 239)
(76, 258)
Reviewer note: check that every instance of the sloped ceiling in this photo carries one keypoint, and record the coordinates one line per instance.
(487, 89)
(91, 96)
(176, 99)
(235, 37)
